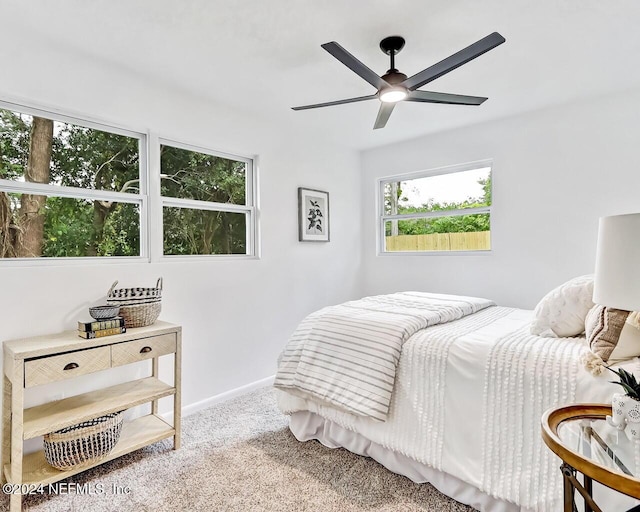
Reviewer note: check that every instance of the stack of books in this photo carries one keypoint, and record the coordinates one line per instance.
(100, 328)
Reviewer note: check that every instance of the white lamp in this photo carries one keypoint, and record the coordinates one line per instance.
(617, 280)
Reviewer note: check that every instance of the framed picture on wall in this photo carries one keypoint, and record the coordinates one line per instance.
(313, 215)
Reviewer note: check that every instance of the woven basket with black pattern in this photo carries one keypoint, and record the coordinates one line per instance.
(83, 444)
(138, 306)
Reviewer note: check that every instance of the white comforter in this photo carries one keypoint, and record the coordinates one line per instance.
(346, 355)
(468, 400)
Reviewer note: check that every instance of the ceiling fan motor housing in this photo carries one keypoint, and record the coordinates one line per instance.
(393, 77)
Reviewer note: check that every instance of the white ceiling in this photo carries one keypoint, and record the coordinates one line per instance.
(264, 56)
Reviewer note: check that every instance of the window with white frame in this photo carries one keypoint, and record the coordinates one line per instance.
(207, 202)
(69, 188)
(445, 209)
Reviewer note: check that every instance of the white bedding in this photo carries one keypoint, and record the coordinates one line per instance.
(346, 355)
(448, 429)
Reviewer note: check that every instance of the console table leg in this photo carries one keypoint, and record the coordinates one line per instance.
(177, 398)
(15, 503)
(154, 373)
(6, 425)
(17, 394)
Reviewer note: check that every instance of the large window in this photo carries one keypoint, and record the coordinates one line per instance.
(75, 189)
(69, 189)
(447, 209)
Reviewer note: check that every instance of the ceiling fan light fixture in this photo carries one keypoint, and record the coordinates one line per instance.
(394, 86)
(393, 94)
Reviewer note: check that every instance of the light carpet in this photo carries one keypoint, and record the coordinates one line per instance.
(240, 456)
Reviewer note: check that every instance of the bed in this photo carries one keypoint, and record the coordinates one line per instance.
(470, 386)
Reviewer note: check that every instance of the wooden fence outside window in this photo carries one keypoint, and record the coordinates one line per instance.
(472, 241)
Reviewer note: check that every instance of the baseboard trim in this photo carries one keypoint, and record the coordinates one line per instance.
(222, 397)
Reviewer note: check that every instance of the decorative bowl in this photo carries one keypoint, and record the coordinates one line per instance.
(104, 312)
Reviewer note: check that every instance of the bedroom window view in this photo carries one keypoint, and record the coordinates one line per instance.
(67, 190)
(437, 212)
(207, 202)
(189, 231)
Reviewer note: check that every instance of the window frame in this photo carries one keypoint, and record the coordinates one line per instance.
(382, 217)
(49, 190)
(160, 202)
(148, 198)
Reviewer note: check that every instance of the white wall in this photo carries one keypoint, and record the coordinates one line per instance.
(555, 172)
(236, 315)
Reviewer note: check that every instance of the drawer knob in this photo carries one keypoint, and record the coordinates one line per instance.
(71, 366)
(145, 350)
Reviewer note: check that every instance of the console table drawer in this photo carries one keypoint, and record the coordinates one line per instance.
(65, 366)
(145, 348)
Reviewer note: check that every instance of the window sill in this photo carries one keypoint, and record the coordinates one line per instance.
(207, 257)
(386, 254)
(61, 262)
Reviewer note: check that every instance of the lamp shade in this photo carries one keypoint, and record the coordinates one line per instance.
(617, 280)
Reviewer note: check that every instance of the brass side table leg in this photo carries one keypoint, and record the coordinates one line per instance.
(571, 484)
(588, 486)
(567, 473)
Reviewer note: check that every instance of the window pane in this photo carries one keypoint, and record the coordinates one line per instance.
(66, 154)
(454, 191)
(35, 225)
(189, 231)
(192, 175)
(456, 233)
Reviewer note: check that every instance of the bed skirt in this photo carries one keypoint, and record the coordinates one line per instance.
(306, 426)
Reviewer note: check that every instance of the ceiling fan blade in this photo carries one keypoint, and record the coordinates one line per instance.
(383, 115)
(354, 64)
(338, 102)
(453, 61)
(442, 97)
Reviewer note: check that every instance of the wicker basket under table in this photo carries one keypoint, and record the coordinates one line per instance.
(84, 444)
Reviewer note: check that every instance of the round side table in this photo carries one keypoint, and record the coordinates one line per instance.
(580, 435)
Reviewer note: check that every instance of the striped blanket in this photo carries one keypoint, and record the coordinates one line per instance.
(346, 355)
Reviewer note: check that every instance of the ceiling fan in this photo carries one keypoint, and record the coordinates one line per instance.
(394, 86)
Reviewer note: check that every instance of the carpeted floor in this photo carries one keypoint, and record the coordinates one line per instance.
(240, 456)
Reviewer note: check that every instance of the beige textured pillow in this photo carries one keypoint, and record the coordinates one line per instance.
(610, 335)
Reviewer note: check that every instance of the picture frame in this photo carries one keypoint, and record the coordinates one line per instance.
(313, 215)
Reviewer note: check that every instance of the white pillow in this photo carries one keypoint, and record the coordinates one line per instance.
(561, 312)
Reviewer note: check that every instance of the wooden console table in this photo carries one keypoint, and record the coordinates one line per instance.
(45, 359)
